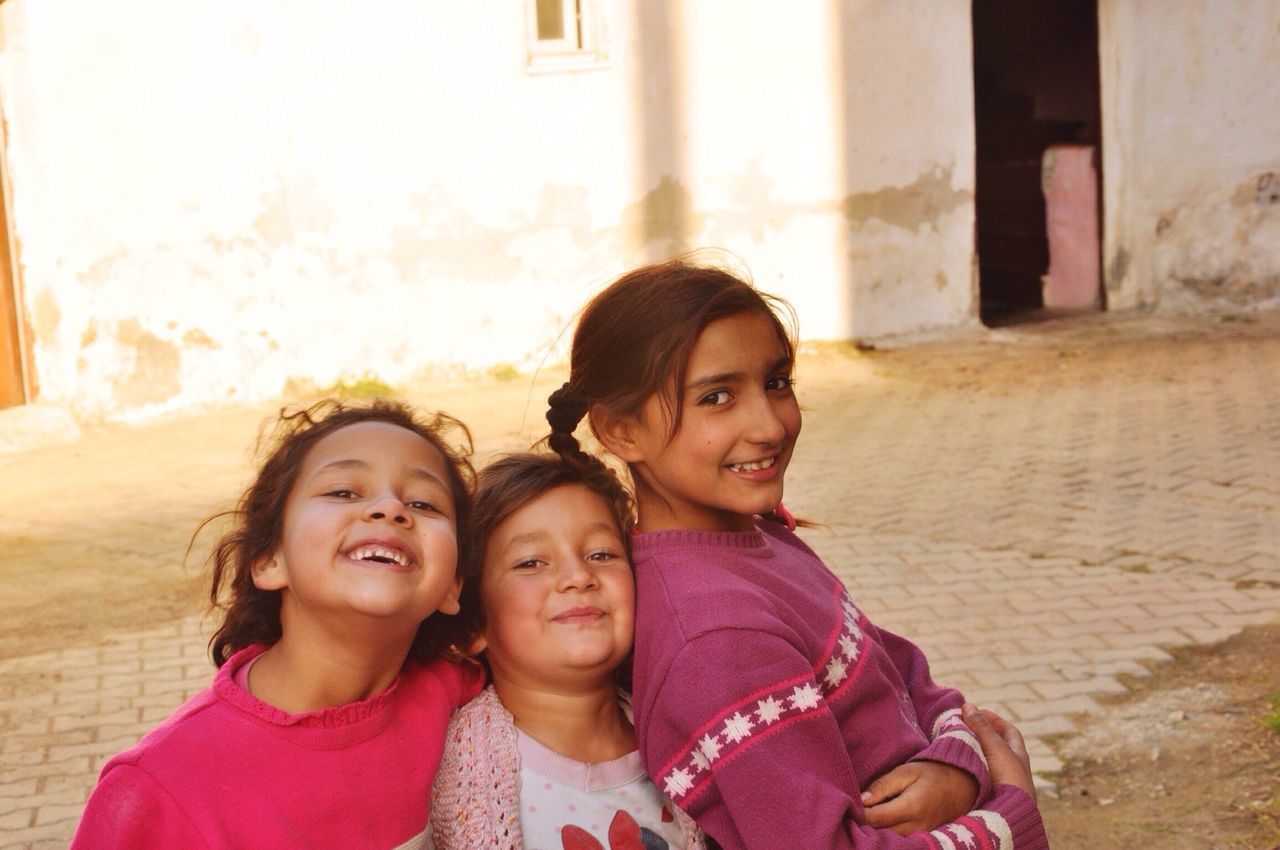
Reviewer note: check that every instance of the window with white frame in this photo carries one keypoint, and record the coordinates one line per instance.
(564, 34)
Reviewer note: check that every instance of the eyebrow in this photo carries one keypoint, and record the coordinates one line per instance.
(723, 377)
(540, 534)
(352, 463)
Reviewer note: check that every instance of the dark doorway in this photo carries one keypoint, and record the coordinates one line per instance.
(1035, 69)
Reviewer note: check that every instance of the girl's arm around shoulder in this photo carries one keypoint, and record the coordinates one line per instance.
(129, 809)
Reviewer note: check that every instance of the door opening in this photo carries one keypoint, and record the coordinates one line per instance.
(1038, 124)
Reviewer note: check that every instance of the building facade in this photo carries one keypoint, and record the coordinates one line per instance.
(205, 202)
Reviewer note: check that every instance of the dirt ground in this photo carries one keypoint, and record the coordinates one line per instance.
(1181, 762)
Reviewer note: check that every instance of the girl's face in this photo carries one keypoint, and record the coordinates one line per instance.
(739, 425)
(557, 592)
(369, 531)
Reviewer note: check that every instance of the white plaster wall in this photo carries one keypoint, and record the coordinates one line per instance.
(213, 200)
(909, 165)
(765, 150)
(1191, 116)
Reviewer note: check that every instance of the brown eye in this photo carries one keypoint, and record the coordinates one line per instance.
(715, 399)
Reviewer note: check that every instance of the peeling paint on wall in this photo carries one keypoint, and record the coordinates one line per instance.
(101, 271)
(156, 367)
(196, 338)
(446, 240)
(46, 316)
(912, 207)
(1117, 269)
(663, 216)
(293, 208)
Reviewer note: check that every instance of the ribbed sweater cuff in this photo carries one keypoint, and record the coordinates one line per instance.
(962, 752)
(1019, 809)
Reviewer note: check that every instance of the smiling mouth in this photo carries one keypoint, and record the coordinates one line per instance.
(579, 615)
(380, 555)
(754, 465)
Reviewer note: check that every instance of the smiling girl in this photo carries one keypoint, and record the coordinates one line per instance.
(545, 758)
(331, 661)
(767, 705)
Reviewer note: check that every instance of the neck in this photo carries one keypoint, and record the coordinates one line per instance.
(656, 513)
(587, 725)
(310, 672)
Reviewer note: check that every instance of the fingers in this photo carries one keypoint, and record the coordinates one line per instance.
(1003, 746)
(983, 723)
(1009, 732)
(889, 786)
(895, 815)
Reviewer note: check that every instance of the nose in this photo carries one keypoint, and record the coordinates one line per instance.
(764, 425)
(388, 507)
(575, 574)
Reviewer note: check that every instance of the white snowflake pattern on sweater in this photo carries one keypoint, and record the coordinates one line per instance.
(735, 727)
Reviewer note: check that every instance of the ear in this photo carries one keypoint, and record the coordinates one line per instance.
(449, 604)
(616, 432)
(268, 572)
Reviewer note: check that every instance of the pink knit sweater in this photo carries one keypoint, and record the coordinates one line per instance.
(227, 770)
(475, 804)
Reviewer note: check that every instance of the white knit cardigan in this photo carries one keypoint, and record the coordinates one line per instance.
(475, 803)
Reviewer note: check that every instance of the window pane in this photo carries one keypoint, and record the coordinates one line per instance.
(550, 19)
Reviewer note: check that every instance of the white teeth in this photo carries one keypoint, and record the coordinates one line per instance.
(379, 553)
(754, 466)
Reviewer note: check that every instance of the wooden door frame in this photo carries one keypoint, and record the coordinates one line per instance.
(15, 342)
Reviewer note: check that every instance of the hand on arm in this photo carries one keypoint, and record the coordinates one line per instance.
(919, 796)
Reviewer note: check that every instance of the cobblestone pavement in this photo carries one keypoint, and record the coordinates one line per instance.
(1041, 508)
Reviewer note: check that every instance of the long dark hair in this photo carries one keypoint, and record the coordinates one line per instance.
(251, 615)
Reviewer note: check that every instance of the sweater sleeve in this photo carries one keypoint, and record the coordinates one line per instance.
(738, 733)
(938, 711)
(129, 809)
(476, 795)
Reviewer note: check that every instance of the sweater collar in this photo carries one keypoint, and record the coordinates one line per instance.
(329, 728)
(645, 543)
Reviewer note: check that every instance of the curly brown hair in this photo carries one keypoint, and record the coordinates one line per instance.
(252, 615)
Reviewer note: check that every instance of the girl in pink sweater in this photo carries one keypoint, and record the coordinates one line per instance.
(326, 720)
(766, 704)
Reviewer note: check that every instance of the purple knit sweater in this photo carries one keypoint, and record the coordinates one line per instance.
(765, 700)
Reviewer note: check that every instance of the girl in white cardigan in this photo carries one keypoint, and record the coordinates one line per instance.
(546, 756)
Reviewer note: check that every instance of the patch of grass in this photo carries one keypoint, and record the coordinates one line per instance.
(367, 386)
(1271, 719)
(504, 372)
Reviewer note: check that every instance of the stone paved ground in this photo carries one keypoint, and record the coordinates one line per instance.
(1041, 508)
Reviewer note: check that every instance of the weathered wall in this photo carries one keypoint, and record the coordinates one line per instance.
(1191, 116)
(908, 164)
(213, 201)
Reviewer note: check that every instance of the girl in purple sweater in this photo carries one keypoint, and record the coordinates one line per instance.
(766, 704)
